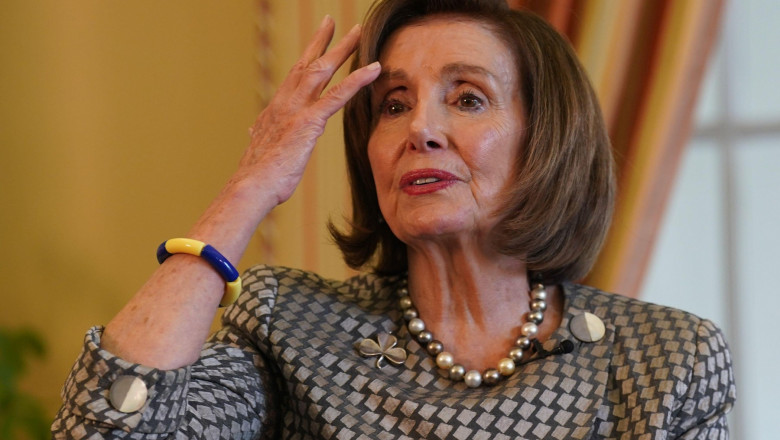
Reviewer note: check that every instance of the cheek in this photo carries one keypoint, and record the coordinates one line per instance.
(372, 158)
(492, 151)
(379, 167)
(381, 158)
(493, 160)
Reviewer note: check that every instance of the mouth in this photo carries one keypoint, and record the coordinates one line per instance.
(427, 180)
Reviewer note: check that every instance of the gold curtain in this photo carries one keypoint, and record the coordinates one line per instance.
(121, 121)
(646, 60)
(294, 234)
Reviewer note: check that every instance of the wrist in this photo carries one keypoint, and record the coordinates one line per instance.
(232, 217)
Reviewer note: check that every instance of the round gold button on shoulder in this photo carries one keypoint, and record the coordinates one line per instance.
(128, 394)
(587, 327)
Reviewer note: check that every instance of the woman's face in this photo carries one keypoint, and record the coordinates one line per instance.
(449, 129)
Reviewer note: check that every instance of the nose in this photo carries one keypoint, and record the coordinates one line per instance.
(427, 127)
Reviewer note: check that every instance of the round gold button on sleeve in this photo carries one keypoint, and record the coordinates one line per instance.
(128, 394)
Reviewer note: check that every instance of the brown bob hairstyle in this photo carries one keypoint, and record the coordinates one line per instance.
(559, 206)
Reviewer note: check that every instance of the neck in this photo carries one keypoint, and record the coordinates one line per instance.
(467, 288)
(473, 303)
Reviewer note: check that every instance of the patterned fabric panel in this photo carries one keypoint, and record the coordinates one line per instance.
(86, 394)
(285, 366)
(671, 374)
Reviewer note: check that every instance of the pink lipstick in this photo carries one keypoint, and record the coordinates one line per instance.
(425, 181)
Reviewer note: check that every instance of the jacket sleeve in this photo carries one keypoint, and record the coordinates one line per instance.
(711, 392)
(230, 392)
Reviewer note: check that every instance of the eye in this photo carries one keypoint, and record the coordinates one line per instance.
(469, 100)
(391, 107)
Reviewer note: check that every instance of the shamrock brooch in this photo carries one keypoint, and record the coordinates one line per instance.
(384, 347)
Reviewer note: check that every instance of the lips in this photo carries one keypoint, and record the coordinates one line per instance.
(425, 181)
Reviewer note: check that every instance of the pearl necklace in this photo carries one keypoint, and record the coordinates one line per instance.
(446, 361)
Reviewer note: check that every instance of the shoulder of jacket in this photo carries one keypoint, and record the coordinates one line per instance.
(606, 304)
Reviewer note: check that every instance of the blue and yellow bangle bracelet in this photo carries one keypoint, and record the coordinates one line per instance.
(216, 260)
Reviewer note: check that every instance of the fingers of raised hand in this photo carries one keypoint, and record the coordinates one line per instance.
(319, 72)
(315, 49)
(319, 42)
(315, 68)
(337, 96)
(299, 106)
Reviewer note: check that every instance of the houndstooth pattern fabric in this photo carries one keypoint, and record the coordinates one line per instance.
(285, 366)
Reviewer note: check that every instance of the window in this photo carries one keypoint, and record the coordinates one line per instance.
(717, 254)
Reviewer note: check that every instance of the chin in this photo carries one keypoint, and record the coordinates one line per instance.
(434, 225)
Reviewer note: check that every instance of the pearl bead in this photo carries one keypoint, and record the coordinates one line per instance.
(403, 291)
(444, 360)
(405, 302)
(457, 372)
(491, 376)
(434, 347)
(523, 342)
(424, 337)
(416, 325)
(539, 305)
(528, 329)
(410, 314)
(539, 293)
(536, 317)
(506, 366)
(473, 379)
(516, 353)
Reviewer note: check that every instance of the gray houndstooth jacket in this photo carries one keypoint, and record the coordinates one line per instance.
(285, 366)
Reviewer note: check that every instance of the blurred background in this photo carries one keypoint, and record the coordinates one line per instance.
(119, 121)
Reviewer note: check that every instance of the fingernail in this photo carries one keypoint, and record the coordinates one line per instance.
(373, 66)
(325, 20)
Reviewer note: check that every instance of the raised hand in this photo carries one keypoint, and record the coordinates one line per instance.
(284, 135)
(165, 324)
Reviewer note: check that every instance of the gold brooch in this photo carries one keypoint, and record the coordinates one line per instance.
(384, 347)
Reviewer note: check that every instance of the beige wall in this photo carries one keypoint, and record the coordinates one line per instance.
(118, 122)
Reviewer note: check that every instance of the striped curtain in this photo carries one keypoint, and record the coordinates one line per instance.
(294, 234)
(646, 60)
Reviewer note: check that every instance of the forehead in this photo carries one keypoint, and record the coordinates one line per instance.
(446, 40)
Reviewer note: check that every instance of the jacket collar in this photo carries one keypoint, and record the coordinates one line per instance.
(575, 383)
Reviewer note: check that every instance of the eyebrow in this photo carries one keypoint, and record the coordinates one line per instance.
(452, 69)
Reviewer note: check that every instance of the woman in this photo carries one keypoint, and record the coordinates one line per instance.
(482, 186)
